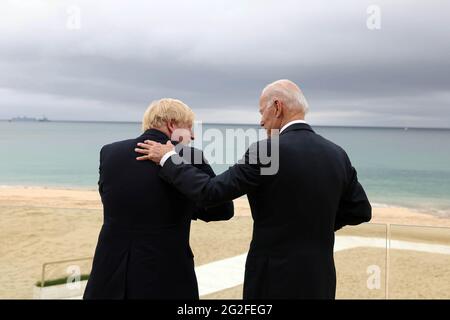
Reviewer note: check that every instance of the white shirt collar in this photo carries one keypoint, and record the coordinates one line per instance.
(291, 123)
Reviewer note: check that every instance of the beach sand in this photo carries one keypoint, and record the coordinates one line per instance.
(40, 225)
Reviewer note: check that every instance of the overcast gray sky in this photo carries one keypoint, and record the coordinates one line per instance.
(218, 55)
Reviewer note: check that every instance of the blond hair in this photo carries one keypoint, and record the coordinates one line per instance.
(163, 111)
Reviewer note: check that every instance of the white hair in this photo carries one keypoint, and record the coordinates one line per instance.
(288, 92)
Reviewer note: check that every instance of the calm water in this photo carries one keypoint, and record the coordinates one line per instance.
(397, 167)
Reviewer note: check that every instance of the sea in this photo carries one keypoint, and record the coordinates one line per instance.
(407, 167)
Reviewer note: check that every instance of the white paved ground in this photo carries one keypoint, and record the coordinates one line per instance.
(227, 273)
(231, 270)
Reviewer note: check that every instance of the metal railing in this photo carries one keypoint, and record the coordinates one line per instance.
(372, 260)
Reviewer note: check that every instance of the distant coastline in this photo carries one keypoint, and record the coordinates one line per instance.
(28, 119)
(232, 124)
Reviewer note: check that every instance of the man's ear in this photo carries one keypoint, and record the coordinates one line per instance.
(171, 127)
(278, 108)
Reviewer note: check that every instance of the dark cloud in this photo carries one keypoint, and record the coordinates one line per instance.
(218, 56)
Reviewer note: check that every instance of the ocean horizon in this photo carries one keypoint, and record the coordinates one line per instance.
(397, 166)
(245, 124)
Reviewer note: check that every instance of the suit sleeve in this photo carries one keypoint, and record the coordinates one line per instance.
(100, 172)
(354, 207)
(223, 211)
(244, 177)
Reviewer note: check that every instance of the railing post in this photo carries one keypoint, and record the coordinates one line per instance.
(388, 249)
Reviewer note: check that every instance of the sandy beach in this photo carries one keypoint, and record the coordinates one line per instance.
(40, 225)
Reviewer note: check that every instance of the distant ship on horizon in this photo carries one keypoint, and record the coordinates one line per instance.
(28, 119)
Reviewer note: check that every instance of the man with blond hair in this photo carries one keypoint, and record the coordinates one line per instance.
(143, 248)
(295, 210)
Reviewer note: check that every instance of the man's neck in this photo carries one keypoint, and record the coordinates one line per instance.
(283, 123)
(297, 116)
(163, 130)
(286, 124)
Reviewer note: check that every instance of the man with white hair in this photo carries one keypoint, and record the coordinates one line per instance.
(296, 210)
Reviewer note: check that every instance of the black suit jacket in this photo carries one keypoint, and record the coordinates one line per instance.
(143, 247)
(295, 212)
